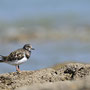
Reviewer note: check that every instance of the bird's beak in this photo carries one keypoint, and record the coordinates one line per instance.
(32, 48)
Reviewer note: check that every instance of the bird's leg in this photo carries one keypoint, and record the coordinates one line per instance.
(17, 68)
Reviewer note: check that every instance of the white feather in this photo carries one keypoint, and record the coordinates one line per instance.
(17, 62)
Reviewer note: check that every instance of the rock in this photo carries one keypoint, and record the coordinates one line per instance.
(60, 76)
(76, 70)
(66, 85)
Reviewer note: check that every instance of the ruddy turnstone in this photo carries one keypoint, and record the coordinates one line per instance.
(18, 57)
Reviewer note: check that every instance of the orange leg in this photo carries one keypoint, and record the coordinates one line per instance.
(17, 68)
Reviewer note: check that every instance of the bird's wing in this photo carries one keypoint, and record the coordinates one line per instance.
(16, 55)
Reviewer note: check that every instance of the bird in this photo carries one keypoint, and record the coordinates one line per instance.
(18, 56)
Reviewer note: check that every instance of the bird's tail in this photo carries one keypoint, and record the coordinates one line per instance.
(1, 58)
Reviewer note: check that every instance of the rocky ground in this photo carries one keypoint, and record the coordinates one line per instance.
(69, 76)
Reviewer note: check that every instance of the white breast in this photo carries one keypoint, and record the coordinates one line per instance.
(17, 62)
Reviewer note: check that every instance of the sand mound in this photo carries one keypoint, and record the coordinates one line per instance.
(58, 77)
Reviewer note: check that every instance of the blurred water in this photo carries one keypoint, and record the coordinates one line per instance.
(48, 53)
(47, 19)
(61, 11)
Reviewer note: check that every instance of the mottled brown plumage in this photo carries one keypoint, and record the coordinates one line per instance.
(17, 55)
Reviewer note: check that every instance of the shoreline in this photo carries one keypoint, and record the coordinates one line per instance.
(63, 73)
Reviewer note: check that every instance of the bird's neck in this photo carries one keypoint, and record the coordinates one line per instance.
(27, 53)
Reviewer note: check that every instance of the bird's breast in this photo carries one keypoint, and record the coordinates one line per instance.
(17, 62)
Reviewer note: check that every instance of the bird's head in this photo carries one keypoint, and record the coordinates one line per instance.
(28, 47)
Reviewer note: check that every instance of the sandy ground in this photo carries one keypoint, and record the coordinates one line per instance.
(70, 76)
(66, 85)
